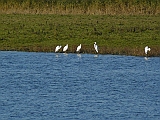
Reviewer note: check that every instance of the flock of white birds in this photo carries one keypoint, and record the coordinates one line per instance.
(77, 50)
(146, 49)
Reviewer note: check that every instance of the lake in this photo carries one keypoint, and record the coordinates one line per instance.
(57, 86)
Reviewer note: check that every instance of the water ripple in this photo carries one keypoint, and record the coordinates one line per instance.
(59, 86)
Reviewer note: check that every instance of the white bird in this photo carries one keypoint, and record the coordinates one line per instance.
(65, 48)
(95, 47)
(58, 48)
(78, 48)
(146, 49)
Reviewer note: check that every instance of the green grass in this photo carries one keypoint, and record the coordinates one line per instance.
(114, 34)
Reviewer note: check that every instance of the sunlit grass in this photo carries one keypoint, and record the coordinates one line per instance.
(114, 34)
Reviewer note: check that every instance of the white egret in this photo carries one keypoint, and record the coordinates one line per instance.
(65, 48)
(78, 48)
(58, 48)
(146, 49)
(96, 47)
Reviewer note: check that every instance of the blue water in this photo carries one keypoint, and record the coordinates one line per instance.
(49, 86)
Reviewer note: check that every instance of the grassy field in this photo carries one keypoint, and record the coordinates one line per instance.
(114, 34)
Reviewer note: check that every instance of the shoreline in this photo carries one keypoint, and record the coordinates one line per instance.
(90, 50)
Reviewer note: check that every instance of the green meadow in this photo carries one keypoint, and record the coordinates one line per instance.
(125, 35)
(118, 26)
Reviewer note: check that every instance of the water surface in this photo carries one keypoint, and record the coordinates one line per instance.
(78, 86)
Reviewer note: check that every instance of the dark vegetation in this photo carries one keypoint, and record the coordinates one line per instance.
(99, 7)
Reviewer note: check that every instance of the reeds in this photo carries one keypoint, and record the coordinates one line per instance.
(98, 7)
